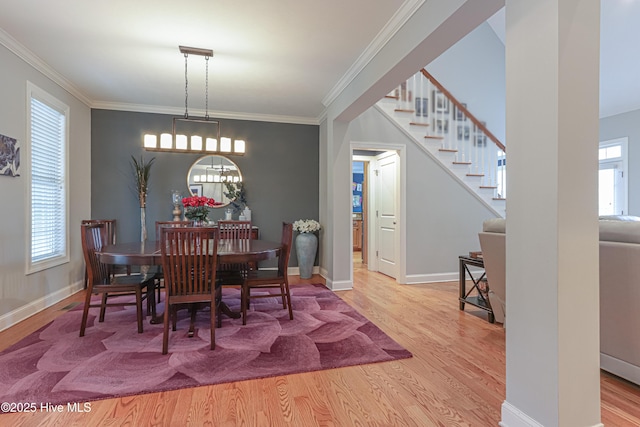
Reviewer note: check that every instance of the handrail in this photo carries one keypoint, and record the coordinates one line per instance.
(462, 108)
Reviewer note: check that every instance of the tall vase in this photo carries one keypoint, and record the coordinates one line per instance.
(143, 224)
(306, 248)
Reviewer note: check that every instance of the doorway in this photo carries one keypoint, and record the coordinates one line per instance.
(380, 228)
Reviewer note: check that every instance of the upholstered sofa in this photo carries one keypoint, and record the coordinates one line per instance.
(619, 288)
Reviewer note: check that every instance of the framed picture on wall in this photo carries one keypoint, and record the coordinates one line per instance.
(463, 132)
(196, 189)
(458, 114)
(422, 107)
(441, 125)
(440, 102)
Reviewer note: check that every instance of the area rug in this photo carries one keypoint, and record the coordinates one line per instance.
(54, 365)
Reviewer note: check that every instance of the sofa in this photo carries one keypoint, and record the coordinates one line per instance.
(619, 288)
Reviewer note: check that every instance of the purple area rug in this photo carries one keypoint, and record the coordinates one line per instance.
(54, 365)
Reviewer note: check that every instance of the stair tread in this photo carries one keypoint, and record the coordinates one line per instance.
(475, 174)
(499, 198)
(433, 137)
(418, 124)
(391, 97)
(488, 186)
(401, 110)
(462, 163)
(448, 150)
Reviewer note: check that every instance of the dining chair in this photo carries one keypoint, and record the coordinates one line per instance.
(189, 261)
(159, 226)
(94, 235)
(110, 226)
(233, 274)
(270, 278)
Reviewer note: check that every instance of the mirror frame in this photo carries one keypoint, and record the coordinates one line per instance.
(204, 186)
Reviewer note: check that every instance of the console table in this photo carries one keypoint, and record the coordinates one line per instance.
(466, 297)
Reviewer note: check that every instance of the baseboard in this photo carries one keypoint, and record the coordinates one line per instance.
(432, 278)
(28, 310)
(620, 368)
(513, 417)
(340, 285)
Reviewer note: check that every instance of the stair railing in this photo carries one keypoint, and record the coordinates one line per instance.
(446, 121)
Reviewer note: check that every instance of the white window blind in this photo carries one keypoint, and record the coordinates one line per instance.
(48, 183)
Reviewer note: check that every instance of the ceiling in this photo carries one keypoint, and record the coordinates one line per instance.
(276, 60)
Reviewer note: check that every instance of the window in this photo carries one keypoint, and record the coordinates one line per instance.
(47, 133)
(612, 177)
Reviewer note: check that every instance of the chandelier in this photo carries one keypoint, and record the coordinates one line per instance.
(194, 134)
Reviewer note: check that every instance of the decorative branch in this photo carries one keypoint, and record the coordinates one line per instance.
(141, 173)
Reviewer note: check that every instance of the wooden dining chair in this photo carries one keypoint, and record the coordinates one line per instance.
(159, 226)
(94, 235)
(233, 274)
(110, 226)
(271, 278)
(189, 261)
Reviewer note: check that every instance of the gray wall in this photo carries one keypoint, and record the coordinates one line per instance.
(280, 172)
(619, 126)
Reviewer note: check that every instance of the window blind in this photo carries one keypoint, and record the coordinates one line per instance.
(48, 199)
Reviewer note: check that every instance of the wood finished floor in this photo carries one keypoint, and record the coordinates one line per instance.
(456, 377)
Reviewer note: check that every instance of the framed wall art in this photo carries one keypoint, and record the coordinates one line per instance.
(440, 102)
(9, 156)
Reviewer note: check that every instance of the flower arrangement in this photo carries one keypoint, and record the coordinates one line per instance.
(306, 226)
(196, 208)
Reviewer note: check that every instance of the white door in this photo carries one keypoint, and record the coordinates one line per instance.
(611, 189)
(387, 213)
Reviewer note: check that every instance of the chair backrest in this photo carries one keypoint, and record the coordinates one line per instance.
(110, 226)
(283, 259)
(94, 235)
(494, 256)
(160, 224)
(234, 230)
(189, 260)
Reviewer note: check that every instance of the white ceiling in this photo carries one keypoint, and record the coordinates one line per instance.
(274, 59)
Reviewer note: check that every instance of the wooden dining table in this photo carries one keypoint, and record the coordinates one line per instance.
(148, 253)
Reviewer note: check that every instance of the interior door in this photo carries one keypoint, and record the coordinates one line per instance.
(611, 188)
(387, 213)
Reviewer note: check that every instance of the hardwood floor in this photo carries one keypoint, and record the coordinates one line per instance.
(455, 378)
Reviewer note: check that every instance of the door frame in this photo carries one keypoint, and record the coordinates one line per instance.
(401, 234)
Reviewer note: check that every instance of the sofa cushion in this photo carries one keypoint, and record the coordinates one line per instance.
(626, 231)
(494, 225)
(619, 217)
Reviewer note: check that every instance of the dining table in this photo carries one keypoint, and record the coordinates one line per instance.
(230, 251)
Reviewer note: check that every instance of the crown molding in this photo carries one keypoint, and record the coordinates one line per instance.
(396, 22)
(30, 58)
(141, 108)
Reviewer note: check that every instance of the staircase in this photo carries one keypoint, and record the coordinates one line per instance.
(443, 127)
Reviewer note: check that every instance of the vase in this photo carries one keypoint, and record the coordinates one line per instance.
(143, 224)
(306, 248)
(200, 222)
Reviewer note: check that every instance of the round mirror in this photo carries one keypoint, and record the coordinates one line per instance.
(209, 175)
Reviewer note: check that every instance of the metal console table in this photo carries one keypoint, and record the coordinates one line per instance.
(478, 299)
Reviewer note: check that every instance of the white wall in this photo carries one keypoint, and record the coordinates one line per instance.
(21, 295)
(443, 218)
(620, 125)
(473, 70)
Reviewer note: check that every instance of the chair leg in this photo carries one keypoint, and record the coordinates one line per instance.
(213, 322)
(283, 293)
(165, 333)
(103, 306)
(151, 300)
(174, 317)
(139, 308)
(85, 312)
(288, 293)
(244, 302)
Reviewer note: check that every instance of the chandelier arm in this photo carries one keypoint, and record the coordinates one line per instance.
(206, 89)
(186, 87)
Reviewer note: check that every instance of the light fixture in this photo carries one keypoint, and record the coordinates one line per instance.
(194, 134)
